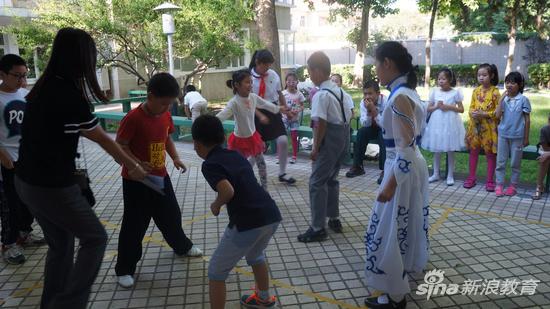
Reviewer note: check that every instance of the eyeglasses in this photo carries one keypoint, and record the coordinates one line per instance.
(18, 76)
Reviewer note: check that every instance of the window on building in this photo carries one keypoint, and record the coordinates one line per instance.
(289, 2)
(286, 42)
(242, 60)
(302, 21)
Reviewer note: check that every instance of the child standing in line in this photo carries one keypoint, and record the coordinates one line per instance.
(295, 104)
(544, 163)
(445, 131)
(513, 131)
(195, 104)
(16, 217)
(253, 215)
(482, 127)
(144, 134)
(245, 139)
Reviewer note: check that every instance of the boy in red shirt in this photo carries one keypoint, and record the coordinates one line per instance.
(145, 136)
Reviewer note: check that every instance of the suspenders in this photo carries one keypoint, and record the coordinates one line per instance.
(340, 100)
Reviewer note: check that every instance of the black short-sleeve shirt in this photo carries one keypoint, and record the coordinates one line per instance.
(251, 206)
(49, 137)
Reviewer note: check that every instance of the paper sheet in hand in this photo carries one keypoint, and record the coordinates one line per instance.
(156, 183)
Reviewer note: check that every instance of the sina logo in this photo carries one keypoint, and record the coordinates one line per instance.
(434, 285)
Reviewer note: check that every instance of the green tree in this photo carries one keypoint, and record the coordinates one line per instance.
(501, 16)
(444, 7)
(360, 34)
(129, 33)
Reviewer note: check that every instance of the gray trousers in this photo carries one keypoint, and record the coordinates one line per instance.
(324, 188)
(64, 214)
(509, 147)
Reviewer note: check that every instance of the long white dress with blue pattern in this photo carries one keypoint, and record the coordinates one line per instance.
(397, 236)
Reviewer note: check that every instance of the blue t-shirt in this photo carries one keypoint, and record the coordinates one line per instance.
(251, 206)
(512, 122)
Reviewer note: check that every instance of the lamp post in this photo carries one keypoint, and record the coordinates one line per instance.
(168, 28)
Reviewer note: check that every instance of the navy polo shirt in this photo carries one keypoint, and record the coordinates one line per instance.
(251, 206)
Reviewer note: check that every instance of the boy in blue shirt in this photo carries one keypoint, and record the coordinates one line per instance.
(253, 215)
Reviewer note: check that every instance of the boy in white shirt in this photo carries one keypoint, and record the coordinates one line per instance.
(194, 103)
(16, 218)
(331, 109)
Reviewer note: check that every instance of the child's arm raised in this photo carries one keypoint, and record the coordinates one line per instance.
(225, 194)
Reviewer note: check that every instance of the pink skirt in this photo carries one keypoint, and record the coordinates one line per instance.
(246, 146)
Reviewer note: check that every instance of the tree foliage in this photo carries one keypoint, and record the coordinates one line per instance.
(129, 35)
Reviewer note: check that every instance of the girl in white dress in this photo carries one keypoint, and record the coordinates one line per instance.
(397, 236)
(445, 131)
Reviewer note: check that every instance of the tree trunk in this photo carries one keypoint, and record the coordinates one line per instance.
(362, 45)
(512, 37)
(267, 29)
(539, 23)
(429, 45)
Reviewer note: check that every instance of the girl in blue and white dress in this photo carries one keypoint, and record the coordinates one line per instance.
(397, 236)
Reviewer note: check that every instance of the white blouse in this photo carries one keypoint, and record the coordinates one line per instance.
(242, 109)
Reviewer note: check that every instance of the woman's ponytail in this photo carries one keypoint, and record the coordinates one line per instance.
(412, 78)
(252, 64)
(400, 56)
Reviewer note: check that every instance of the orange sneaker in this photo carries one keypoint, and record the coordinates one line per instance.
(254, 301)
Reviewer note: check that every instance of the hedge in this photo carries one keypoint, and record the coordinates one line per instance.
(466, 74)
(539, 74)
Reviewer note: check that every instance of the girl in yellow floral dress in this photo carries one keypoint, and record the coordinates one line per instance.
(482, 127)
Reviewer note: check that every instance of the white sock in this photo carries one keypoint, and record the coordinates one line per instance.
(437, 160)
(451, 159)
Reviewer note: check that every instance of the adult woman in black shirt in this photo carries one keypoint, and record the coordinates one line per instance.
(57, 113)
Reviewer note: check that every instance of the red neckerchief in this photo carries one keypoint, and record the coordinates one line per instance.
(261, 91)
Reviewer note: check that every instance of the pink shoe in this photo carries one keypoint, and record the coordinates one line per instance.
(511, 190)
(499, 191)
(490, 186)
(469, 183)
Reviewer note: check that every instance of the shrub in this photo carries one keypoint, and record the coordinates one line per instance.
(539, 74)
(465, 74)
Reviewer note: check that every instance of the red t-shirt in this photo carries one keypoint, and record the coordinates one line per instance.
(146, 136)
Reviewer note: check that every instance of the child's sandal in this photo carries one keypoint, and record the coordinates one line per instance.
(538, 193)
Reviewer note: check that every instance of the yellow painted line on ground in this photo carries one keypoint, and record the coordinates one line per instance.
(466, 211)
(22, 292)
(439, 222)
(245, 272)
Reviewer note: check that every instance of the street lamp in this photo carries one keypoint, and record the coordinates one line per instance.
(168, 28)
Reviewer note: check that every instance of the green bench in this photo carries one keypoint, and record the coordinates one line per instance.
(179, 121)
(529, 153)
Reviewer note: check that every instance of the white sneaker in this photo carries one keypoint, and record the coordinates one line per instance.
(450, 181)
(126, 281)
(30, 239)
(194, 251)
(433, 178)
